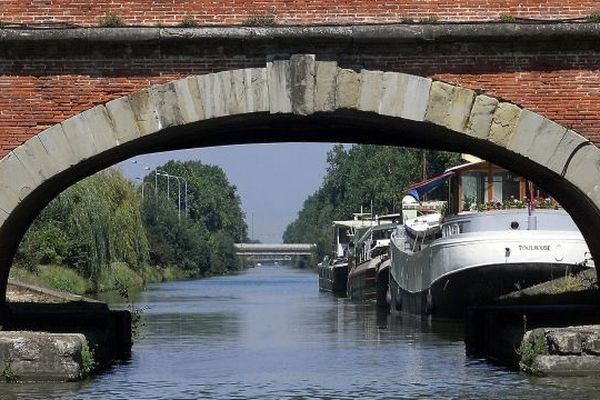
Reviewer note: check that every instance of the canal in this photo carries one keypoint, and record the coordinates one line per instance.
(269, 334)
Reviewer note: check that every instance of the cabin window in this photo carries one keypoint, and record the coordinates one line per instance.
(473, 189)
(506, 186)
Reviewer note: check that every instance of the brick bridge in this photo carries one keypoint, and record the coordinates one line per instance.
(75, 98)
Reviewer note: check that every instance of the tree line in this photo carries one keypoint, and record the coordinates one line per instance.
(368, 176)
(102, 226)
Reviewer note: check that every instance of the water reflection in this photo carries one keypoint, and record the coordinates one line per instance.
(269, 334)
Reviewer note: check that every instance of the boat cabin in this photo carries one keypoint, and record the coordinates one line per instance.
(482, 186)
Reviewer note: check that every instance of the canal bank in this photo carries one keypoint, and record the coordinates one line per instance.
(48, 335)
(268, 333)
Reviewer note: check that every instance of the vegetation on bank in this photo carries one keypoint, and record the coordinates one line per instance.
(366, 176)
(100, 234)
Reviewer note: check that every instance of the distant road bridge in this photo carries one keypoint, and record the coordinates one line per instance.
(255, 252)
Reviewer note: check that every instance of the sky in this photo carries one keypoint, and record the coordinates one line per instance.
(273, 180)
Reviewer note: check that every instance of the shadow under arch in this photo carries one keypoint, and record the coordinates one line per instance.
(298, 100)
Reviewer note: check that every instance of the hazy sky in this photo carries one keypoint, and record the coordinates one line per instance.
(273, 180)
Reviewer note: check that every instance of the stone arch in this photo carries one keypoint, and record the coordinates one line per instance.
(402, 109)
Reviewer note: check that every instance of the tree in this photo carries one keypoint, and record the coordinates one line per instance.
(363, 176)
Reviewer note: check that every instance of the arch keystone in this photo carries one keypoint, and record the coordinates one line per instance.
(302, 80)
(347, 88)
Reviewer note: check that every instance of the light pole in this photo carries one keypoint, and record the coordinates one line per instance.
(142, 184)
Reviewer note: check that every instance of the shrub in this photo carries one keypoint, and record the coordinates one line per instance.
(594, 16)
(506, 17)
(531, 346)
(63, 278)
(260, 20)
(110, 20)
(188, 22)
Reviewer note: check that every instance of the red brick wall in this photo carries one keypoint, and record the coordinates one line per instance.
(233, 12)
(35, 94)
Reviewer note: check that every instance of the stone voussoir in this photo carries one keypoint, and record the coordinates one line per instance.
(583, 171)
(370, 91)
(279, 81)
(347, 88)
(482, 114)
(123, 119)
(80, 137)
(504, 123)
(536, 137)
(325, 85)
(302, 83)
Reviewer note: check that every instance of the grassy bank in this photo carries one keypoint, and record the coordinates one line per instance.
(118, 275)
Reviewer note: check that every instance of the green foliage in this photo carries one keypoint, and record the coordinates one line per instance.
(8, 372)
(263, 20)
(110, 20)
(92, 224)
(529, 349)
(88, 364)
(361, 176)
(200, 241)
(506, 17)
(594, 16)
(100, 230)
(188, 22)
(63, 278)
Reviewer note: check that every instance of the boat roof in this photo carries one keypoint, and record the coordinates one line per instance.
(420, 189)
(355, 223)
(380, 227)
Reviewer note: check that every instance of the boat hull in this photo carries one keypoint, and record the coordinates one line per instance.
(362, 282)
(450, 296)
(473, 268)
(333, 279)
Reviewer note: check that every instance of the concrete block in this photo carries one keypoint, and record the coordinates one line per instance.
(188, 97)
(15, 182)
(567, 145)
(325, 83)
(536, 137)
(416, 98)
(591, 343)
(279, 82)
(257, 90)
(164, 100)
(145, 114)
(554, 365)
(347, 88)
(504, 123)
(101, 128)
(583, 171)
(211, 95)
(123, 119)
(563, 342)
(371, 90)
(55, 142)
(79, 137)
(302, 81)
(482, 114)
(42, 357)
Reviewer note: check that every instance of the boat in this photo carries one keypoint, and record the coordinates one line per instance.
(333, 270)
(502, 234)
(369, 272)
